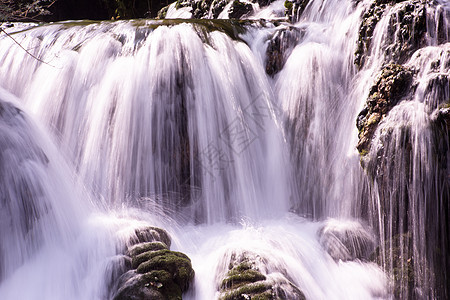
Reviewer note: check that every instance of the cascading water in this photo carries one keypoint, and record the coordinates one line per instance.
(176, 124)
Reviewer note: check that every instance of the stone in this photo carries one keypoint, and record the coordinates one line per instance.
(155, 272)
(346, 241)
(239, 9)
(246, 280)
(279, 48)
(294, 9)
(393, 83)
(406, 32)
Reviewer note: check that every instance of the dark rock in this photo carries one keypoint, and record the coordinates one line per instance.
(406, 32)
(263, 3)
(135, 287)
(279, 48)
(200, 9)
(294, 9)
(400, 264)
(392, 84)
(239, 9)
(217, 7)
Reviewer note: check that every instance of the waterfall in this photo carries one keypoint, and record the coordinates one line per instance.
(239, 139)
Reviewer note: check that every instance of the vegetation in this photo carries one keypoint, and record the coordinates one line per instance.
(58, 10)
(24, 10)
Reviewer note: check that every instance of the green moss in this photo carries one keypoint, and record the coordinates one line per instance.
(146, 256)
(288, 5)
(237, 278)
(162, 12)
(363, 152)
(145, 247)
(176, 263)
(444, 105)
(243, 266)
(250, 289)
(264, 296)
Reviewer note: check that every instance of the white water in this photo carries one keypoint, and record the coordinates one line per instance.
(174, 127)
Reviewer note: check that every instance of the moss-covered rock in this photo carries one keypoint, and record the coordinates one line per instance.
(393, 83)
(245, 280)
(155, 272)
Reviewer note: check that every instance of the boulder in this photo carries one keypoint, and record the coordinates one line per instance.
(346, 241)
(246, 280)
(155, 272)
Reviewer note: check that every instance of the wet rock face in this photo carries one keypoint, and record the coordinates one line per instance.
(153, 271)
(393, 83)
(279, 48)
(246, 280)
(406, 32)
(401, 262)
(294, 9)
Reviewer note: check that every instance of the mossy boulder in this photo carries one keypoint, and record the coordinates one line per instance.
(393, 83)
(279, 48)
(155, 272)
(245, 279)
(406, 33)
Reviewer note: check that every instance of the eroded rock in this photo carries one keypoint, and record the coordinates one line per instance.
(154, 271)
(393, 83)
(279, 48)
(406, 33)
(245, 279)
